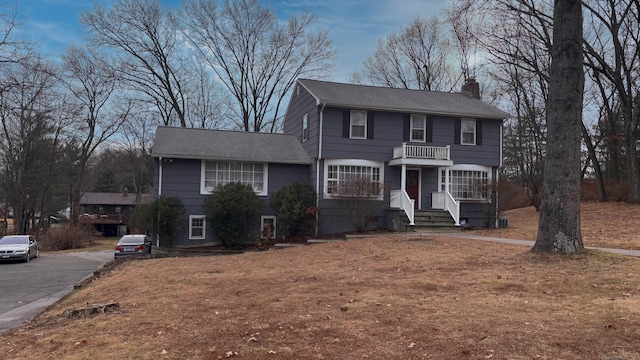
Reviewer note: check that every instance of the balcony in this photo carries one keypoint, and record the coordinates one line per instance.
(420, 155)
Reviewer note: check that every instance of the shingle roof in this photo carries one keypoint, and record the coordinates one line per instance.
(96, 198)
(390, 99)
(188, 143)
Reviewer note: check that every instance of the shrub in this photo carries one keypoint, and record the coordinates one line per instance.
(168, 218)
(142, 218)
(165, 216)
(229, 209)
(359, 197)
(292, 204)
(65, 237)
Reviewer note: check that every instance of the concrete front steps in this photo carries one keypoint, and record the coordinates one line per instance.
(434, 221)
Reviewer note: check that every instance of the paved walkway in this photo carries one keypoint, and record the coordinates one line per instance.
(467, 235)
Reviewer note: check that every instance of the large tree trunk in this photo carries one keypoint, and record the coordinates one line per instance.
(559, 225)
(634, 172)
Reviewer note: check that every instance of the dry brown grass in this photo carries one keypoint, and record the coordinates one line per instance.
(608, 225)
(396, 297)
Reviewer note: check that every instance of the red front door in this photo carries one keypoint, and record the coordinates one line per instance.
(413, 186)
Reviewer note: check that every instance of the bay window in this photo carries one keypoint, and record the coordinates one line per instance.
(466, 182)
(357, 178)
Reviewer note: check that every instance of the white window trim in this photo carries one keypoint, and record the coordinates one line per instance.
(351, 124)
(268, 217)
(305, 127)
(350, 162)
(204, 227)
(412, 127)
(475, 129)
(205, 191)
(467, 167)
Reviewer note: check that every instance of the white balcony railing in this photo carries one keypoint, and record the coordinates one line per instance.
(422, 152)
(401, 200)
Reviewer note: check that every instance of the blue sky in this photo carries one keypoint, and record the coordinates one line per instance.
(354, 26)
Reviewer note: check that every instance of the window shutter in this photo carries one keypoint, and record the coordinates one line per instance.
(346, 123)
(406, 129)
(429, 129)
(478, 132)
(456, 131)
(370, 117)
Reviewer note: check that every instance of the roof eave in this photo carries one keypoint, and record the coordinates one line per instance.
(421, 111)
(201, 157)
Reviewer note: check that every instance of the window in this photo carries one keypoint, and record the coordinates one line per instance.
(197, 227)
(466, 182)
(358, 128)
(216, 173)
(419, 128)
(468, 132)
(268, 228)
(358, 178)
(305, 127)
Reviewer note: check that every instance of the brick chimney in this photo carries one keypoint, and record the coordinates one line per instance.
(471, 88)
(125, 192)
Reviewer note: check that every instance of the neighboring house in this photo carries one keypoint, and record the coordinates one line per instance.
(109, 213)
(427, 150)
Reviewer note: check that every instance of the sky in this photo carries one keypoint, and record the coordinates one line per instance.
(355, 26)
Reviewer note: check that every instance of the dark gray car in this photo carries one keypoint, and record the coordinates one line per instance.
(18, 247)
(133, 245)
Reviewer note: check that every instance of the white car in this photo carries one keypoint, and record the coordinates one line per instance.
(21, 247)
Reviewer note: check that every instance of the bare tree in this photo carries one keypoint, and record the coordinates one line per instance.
(612, 54)
(12, 49)
(27, 142)
(559, 223)
(415, 58)
(138, 139)
(360, 199)
(91, 84)
(465, 22)
(207, 108)
(148, 54)
(256, 56)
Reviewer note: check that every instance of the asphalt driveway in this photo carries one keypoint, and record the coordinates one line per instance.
(26, 289)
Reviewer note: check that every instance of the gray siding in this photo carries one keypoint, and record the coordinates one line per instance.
(487, 154)
(299, 105)
(181, 178)
(389, 133)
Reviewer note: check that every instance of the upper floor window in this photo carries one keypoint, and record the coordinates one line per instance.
(418, 128)
(468, 132)
(216, 173)
(354, 178)
(358, 125)
(305, 127)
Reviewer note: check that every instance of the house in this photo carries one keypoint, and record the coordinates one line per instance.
(109, 213)
(425, 150)
(189, 163)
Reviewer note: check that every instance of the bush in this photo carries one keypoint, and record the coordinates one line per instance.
(168, 218)
(142, 218)
(65, 237)
(292, 205)
(165, 216)
(229, 209)
(359, 197)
